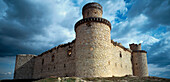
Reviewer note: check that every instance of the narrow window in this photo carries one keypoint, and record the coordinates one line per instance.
(69, 52)
(48, 69)
(52, 59)
(115, 64)
(120, 54)
(136, 64)
(64, 65)
(42, 61)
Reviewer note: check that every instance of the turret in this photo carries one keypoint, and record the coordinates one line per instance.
(135, 46)
(139, 60)
(92, 10)
(93, 43)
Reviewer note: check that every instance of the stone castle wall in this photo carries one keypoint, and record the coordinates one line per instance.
(84, 59)
(121, 61)
(90, 60)
(57, 62)
(24, 66)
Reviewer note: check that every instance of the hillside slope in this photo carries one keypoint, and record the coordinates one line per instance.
(105, 79)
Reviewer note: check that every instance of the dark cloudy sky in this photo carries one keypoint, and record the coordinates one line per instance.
(33, 26)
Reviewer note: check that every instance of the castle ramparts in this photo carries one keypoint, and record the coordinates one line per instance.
(91, 54)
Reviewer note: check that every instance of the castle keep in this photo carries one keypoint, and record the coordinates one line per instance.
(91, 54)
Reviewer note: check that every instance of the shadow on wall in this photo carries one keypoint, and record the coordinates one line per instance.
(24, 67)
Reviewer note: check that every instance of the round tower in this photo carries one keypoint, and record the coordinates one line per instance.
(139, 60)
(92, 10)
(93, 43)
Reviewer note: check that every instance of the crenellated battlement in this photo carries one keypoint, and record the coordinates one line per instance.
(135, 46)
(93, 19)
(56, 47)
(26, 55)
(141, 51)
(121, 46)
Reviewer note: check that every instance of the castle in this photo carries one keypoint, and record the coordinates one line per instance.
(91, 54)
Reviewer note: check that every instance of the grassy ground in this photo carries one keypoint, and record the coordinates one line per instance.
(96, 79)
(105, 79)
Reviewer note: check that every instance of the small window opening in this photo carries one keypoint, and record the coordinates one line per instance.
(136, 64)
(95, 12)
(64, 65)
(54, 67)
(121, 66)
(52, 59)
(69, 52)
(120, 54)
(42, 61)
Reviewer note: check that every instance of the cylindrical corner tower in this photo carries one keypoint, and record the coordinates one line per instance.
(93, 43)
(139, 60)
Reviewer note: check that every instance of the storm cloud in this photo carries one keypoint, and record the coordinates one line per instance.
(147, 22)
(28, 25)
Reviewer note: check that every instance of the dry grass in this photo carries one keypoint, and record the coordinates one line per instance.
(95, 79)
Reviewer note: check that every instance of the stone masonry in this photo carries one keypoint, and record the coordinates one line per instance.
(91, 54)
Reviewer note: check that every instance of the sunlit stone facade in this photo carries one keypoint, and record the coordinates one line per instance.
(91, 54)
